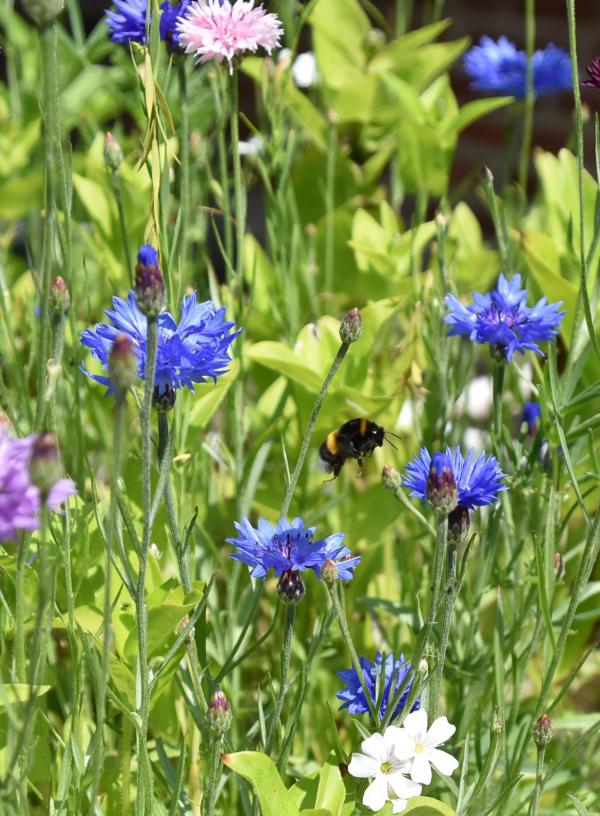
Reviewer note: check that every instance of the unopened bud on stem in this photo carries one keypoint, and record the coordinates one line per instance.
(113, 155)
(291, 587)
(150, 294)
(543, 731)
(45, 467)
(351, 326)
(122, 364)
(60, 298)
(219, 713)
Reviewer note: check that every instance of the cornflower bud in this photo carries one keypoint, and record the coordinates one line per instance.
(291, 587)
(45, 467)
(219, 713)
(441, 484)
(60, 297)
(559, 567)
(351, 326)
(329, 572)
(113, 155)
(150, 294)
(458, 524)
(543, 731)
(122, 364)
(391, 479)
(43, 12)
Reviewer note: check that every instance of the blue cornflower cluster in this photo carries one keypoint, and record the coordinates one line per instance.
(475, 482)
(127, 23)
(501, 68)
(191, 351)
(503, 319)
(390, 673)
(289, 547)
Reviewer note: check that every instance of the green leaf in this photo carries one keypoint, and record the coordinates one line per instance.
(260, 771)
(280, 358)
(322, 789)
(425, 806)
(472, 111)
(11, 693)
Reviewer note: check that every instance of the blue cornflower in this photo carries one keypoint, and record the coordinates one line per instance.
(392, 674)
(191, 351)
(503, 319)
(477, 481)
(289, 547)
(128, 22)
(501, 68)
(532, 413)
(170, 17)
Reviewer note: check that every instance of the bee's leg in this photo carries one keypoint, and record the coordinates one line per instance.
(361, 466)
(336, 472)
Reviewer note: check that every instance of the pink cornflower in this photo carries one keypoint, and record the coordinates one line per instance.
(219, 29)
(19, 498)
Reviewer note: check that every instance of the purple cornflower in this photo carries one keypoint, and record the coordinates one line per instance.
(593, 72)
(477, 481)
(501, 68)
(503, 319)
(289, 547)
(128, 21)
(19, 498)
(392, 674)
(191, 351)
(532, 414)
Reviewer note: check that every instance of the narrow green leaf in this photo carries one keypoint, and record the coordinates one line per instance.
(260, 771)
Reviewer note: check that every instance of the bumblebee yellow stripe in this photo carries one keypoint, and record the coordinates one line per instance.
(332, 443)
(363, 426)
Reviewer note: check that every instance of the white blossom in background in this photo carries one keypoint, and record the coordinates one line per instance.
(477, 399)
(475, 438)
(418, 746)
(253, 147)
(304, 68)
(388, 774)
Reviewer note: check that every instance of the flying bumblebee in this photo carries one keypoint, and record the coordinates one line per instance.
(354, 440)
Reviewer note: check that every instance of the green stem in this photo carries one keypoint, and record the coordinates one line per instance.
(439, 557)
(144, 793)
(449, 601)
(340, 614)
(342, 351)
(21, 664)
(584, 297)
(539, 782)
(125, 762)
(330, 207)
(49, 46)
(210, 792)
(223, 174)
(98, 752)
(240, 198)
(529, 97)
(286, 651)
(498, 377)
(117, 191)
(185, 169)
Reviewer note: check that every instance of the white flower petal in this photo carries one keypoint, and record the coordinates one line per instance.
(376, 794)
(442, 761)
(416, 724)
(399, 805)
(374, 746)
(390, 735)
(440, 731)
(403, 787)
(364, 767)
(404, 745)
(421, 770)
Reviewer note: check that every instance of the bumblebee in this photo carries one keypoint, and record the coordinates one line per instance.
(354, 440)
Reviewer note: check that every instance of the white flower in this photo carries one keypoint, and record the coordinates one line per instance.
(304, 70)
(477, 399)
(253, 147)
(418, 746)
(380, 763)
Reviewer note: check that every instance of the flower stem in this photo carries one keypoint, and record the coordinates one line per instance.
(144, 793)
(209, 799)
(342, 351)
(340, 614)
(286, 651)
(239, 192)
(20, 661)
(220, 102)
(539, 781)
(330, 206)
(118, 193)
(98, 753)
(439, 557)
(185, 170)
(449, 600)
(529, 97)
(498, 379)
(49, 49)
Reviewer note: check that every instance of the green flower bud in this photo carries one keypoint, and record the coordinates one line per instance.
(123, 364)
(543, 731)
(219, 713)
(43, 12)
(351, 326)
(60, 297)
(113, 155)
(45, 467)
